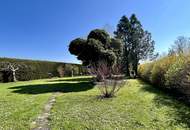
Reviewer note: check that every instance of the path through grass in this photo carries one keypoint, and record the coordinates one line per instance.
(22, 102)
(17, 110)
(138, 106)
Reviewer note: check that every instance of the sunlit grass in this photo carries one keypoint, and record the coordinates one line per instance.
(137, 106)
(21, 102)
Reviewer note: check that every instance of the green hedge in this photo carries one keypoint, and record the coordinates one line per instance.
(170, 72)
(43, 69)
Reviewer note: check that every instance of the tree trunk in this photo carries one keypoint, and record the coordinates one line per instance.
(14, 76)
(136, 71)
(127, 69)
(136, 67)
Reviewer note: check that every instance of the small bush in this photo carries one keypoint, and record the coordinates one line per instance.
(110, 79)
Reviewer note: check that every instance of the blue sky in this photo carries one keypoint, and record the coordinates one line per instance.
(42, 29)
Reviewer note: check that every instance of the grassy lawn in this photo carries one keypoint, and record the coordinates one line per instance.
(22, 102)
(17, 111)
(137, 106)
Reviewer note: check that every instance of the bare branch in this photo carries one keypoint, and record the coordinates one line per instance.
(109, 78)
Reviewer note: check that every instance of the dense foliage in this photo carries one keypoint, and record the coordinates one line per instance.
(102, 54)
(138, 43)
(42, 69)
(171, 72)
(98, 46)
(131, 43)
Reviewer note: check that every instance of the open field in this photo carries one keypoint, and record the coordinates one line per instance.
(137, 106)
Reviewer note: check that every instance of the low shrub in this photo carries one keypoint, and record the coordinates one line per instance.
(109, 79)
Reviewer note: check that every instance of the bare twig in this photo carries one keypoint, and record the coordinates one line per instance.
(110, 78)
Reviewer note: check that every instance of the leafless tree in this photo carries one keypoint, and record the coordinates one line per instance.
(110, 79)
(180, 46)
(10, 67)
(13, 67)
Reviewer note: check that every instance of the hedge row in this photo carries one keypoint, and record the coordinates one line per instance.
(43, 69)
(170, 72)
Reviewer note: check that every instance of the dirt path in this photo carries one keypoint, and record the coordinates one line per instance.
(41, 123)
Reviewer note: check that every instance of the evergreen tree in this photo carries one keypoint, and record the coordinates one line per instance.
(123, 33)
(138, 43)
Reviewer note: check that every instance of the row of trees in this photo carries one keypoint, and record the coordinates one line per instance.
(130, 44)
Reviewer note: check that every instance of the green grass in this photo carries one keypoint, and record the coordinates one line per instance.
(137, 106)
(22, 102)
(17, 111)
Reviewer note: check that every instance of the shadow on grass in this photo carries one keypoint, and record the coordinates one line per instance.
(55, 87)
(167, 98)
(71, 79)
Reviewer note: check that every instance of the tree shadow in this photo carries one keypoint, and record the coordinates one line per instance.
(71, 79)
(55, 87)
(164, 98)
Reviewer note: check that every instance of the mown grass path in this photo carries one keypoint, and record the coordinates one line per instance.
(42, 121)
(17, 110)
(138, 106)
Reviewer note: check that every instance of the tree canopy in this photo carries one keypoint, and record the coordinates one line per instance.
(138, 43)
(98, 46)
(130, 45)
